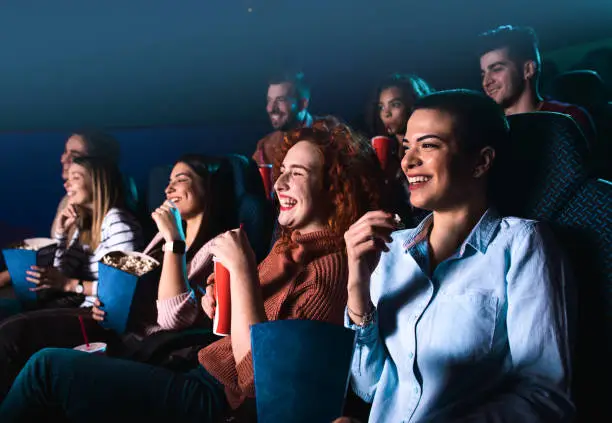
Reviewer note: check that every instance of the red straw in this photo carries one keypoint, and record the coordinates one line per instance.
(83, 331)
(242, 226)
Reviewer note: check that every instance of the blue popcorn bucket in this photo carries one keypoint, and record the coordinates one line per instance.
(19, 258)
(302, 370)
(126, 295)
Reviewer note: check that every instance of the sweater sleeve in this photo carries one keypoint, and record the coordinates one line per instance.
(319, 295)
(177, 312)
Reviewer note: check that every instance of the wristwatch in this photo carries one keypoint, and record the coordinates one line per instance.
(79, 288)
(176, 247)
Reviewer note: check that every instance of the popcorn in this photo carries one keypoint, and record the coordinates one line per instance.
(136, 265)
(24, 246)
(398, 222)
(35, 244)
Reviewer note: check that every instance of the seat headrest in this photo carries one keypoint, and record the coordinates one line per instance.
(542, 167)
(582, 87)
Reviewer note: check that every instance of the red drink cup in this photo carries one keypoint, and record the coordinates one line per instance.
(223, 311)
(382, 146)
(265, 170)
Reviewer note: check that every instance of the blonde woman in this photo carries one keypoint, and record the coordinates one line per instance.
(93, 223)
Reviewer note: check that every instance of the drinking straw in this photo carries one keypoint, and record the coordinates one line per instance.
(83, 331)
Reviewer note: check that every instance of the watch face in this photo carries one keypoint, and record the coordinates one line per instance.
(177, 247)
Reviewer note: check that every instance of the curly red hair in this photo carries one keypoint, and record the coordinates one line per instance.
(353, 180)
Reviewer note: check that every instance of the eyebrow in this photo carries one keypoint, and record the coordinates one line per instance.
(498, 63)
(424, 138)
(393, 99)
(307, 169)
(181, 174)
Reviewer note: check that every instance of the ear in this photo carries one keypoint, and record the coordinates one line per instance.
(529, 70)
(484, 162)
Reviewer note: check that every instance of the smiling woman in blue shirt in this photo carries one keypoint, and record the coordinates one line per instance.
(462, 319)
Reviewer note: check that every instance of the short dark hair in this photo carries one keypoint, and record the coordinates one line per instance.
(478, 121)
(521, 42)
(302, 90)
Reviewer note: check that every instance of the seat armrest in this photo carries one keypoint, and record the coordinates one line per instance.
(155, 348)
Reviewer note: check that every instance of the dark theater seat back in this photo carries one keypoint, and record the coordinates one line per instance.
(542, 168)
(585, 230)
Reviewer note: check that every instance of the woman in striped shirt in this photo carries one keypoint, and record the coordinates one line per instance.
(93, 224)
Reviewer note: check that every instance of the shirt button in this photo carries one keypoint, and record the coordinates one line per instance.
(416, 390)
(411, 355)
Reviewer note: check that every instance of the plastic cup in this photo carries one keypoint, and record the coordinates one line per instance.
(223, 311)
(265, 170)
(98, 348)
(382, 147)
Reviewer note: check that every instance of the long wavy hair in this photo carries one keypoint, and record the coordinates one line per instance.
(107, 193)
(204, 167)
(353, 181)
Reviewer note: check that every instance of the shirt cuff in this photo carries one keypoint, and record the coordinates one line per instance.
(94, 289)
(367, 334)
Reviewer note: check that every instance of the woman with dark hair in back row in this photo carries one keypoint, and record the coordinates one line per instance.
(390, 109)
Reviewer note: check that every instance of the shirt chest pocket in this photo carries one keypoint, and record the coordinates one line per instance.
(459, 327)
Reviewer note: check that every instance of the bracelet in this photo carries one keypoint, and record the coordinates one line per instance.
(366, 318)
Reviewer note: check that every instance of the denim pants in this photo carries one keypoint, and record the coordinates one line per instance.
(69, 385)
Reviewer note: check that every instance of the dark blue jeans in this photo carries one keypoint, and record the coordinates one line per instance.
(76, 386)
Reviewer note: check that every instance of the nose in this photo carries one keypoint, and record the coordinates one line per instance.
(486, 79)
(67, 185)
(281, 183)
(170, 188)
(411, 159)
(64, 158)
(386, 111)
(270, 106)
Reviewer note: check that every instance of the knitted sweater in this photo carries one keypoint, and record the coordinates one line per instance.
(305, 279)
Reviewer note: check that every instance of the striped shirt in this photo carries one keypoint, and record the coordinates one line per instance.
(120, 232)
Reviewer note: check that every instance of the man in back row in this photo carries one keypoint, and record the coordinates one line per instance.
(287, 107)
(510, 66)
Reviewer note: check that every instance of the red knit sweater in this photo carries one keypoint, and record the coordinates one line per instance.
(303, 280)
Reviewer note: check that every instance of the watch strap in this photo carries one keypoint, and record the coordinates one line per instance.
(176, 247)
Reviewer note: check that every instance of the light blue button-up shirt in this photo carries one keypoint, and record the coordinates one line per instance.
(482, 339)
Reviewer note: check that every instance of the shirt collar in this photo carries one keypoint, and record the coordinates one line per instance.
(483, 232)
(479, 238)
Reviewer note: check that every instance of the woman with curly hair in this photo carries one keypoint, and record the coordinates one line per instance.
(326, 179)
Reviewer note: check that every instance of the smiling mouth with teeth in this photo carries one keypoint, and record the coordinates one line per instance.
(417, 181)
(287, 203)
